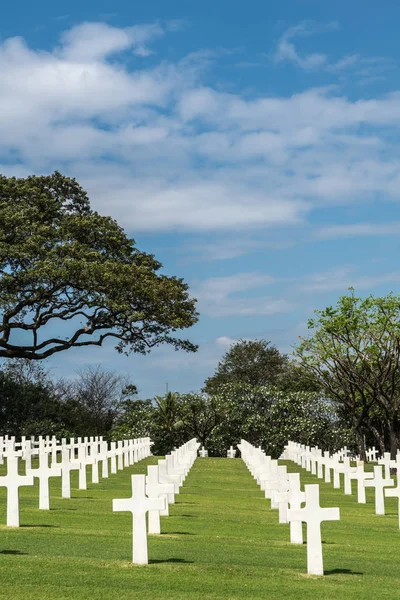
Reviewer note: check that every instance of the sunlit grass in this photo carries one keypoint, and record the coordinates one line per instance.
(221, 541)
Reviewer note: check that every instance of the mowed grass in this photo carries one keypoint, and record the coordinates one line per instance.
(221, 540)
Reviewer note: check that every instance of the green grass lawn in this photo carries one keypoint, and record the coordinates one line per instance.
(221, 540)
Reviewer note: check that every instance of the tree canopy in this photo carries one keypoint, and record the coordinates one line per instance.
(354, 351)
(258, 363)
(64, 267)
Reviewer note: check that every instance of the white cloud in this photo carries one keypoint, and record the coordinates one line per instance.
(334, 232)
(95, 41)
(287, 51)
(225, 341)
(160, 151)
(344, 277)
(221, 296)
(361, 69)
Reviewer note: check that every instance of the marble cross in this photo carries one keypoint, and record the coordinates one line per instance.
(282, 497)
(379, 483)
(103, 457)
(120, 456)
(231, 453)
(13, 481)
(203, 453)
(313, 515)
(155, 489)
(327, 465)
(113, 455)
(395, 493)
(82, 461)
(165, 477)
(296, 499)
(66, 467)
(360, 476)
(336, 471)
(386, 461)
(138, 505)
(372, 454)
(347, 470)
(43, 473)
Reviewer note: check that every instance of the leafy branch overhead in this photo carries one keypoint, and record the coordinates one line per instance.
(62, 264)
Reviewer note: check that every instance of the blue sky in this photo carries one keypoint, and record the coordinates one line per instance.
(253, 147)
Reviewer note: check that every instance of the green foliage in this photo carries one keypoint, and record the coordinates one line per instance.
(354, 351)
(253, 362)
(257, 363)
(61, 263)
(25, 404)
(199, 414)
(136, 420)
(269, 417)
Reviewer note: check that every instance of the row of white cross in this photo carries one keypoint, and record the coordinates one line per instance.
(231, 453)
(65, 457)
(284, 491)
(153, 493)
(321, 465)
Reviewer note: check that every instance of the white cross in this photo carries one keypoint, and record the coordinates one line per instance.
(82, 461)
(296, 499)
(386, 461)
(360, 475)
(320, 463)
(346, 469)
(278, 483)
(112, 453)
(138, 505)
(94, 461)
(313, 515)
(336, 471)
(103, 457)
(231, 453)
(165, 477)
(43, 473)
(372, 454)
(395, 493)
(120, 458)
(379, 483)
(66, 467)
(327, 463)
(282, 497)
(203, 452)
(13, 481)
(155, 489)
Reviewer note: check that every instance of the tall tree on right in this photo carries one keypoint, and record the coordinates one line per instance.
(354, 352)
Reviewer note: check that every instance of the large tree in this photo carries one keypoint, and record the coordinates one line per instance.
(354, 351)
(255, 362)
(70, 277)
(258, 363)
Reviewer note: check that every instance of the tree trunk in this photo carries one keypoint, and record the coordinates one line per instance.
(393, 441)
(361, 445)
(379, 440)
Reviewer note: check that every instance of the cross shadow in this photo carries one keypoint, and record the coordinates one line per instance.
(186, 502)
(170, 560)
(38, 525)
(177, 533)
(323, 542)
(16, 552)
(344, 571)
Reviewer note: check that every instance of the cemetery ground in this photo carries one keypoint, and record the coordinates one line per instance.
(221, 541)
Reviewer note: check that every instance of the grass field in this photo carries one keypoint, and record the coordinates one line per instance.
(221, 540)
